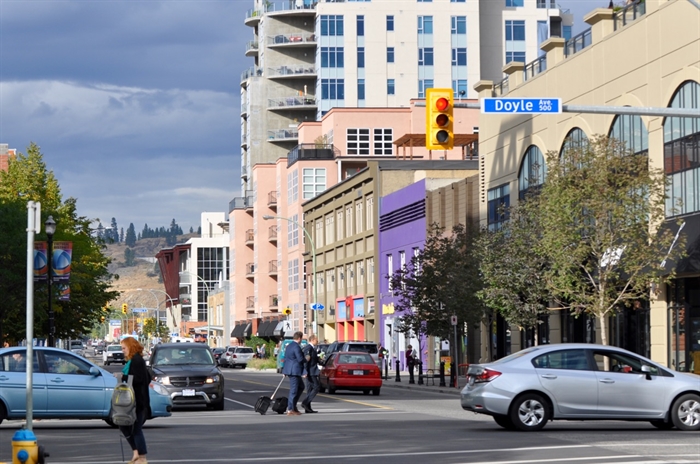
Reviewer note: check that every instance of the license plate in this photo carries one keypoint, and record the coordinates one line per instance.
(358, 372)
(187, 392)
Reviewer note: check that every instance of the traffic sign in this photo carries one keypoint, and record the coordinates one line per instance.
(453, 320)
(139, 310)
(521, 105)
(317, 307)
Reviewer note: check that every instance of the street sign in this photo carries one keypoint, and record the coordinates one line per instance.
(287, 327)
(317, 307)
(521, 105)
(139, 310)
(453, 320)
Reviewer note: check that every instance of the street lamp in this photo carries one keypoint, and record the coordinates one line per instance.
(50, 226)
(313, 258)
(169, 298)
(155, 309)
(208, 308)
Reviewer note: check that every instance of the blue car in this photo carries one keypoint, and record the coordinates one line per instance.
(66, 386)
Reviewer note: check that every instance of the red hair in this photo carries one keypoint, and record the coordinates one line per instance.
(133, 345)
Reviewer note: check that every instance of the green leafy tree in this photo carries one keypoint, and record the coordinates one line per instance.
(599, 212)
(153, 328)
(28, 178)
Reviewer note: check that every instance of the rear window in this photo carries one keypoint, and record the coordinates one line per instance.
(244, 350)
(355, 359)
(370, 348)
(114, 348)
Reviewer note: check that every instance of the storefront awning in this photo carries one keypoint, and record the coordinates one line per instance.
(263, 328)
(279, 330)
(237, 331)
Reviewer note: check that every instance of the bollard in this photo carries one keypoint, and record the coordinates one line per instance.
(25, 449)
(398, 371)
(386, 368)
(442, 374)
(420, 372)
(453, 375)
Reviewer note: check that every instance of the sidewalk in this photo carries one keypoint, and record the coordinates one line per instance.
(429, 385)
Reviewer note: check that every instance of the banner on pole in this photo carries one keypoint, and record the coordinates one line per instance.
(40, 262)
(61, 261)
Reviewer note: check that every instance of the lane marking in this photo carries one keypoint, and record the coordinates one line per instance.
(371, 405)
(251, 391)
(238, 402)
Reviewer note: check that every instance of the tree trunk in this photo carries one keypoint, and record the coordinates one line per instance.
(604, 338)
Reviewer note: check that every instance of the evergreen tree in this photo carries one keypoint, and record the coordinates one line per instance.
(129, 257)
(145, 232)
(114, 231)
(191, 229)
(121, 235)
(130, 239)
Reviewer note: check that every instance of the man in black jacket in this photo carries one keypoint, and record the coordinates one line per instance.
(313, 383)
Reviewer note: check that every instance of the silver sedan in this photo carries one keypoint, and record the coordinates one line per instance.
(570, 381)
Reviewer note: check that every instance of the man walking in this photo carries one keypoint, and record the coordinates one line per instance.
(295, 369)
(312, 373)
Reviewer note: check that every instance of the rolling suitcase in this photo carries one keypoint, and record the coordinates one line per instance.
(280, 405)
(263, 403)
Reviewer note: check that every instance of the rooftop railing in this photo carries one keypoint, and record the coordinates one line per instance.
(501, 88)
(578, 42)
(535, 67)
(628, 14)
(311, 151)
(248, 73)
(547, 4)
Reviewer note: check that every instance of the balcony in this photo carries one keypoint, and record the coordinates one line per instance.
(244, 141)
(272, 200)
(283, 135)
(274, 302)
(272, 271)
(292, 103)
(551, 4)
(244, 173)
(245, 202)
(292, 8)
(250, 304)
(185, 300)
(253, 16)
(244, 109)
(292, 72)
(272, 234)
(248, 73)
(250, 271)
(250, 237)
(312, 151)
(501, 88)
(251, 48)
(628, 13)
(292, 41)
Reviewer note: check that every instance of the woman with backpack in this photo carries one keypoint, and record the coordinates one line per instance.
(136, 366)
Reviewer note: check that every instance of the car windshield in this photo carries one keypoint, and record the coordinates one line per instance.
(355, 359)
(181, 356)
(114, 348)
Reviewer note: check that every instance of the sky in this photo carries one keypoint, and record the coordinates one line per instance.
(135, 103)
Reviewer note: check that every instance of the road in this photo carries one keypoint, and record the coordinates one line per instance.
(399, 426)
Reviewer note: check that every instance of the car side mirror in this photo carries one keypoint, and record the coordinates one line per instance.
(647, 370)
(95, 372)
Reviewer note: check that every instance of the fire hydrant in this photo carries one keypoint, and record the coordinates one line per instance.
(25, 449)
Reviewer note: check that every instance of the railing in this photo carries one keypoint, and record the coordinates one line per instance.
(273, 103)
(272, 233)
(308, 151)
(282, 39)
(250, 302)
(244, 171)
(283, 134)
(547, 4)
(250, 235)
(250, 72)
(628, 14)
(244, 139)
(535, 67)
(251, 45)
(244, 106)
(239, 203)
(250, 268)
(291, 5)
(273, 267)
(291, 71)
(272, 198)
(578, 42)
(274, 301)
(501, 88)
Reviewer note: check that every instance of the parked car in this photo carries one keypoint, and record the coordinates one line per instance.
(189, 374)
(368, 347)
(283, 347)
(351, 371)
(113, 354)
(570, 381)
(217, 352)
(66, 386)
(240, 356)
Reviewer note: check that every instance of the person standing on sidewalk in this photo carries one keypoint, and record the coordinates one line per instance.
(295, 369)
(411, 363)
(312, 374)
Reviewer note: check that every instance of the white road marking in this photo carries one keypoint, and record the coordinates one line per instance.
(251, 391)
(238, 402)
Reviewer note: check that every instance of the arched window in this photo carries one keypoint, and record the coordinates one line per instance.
(632, 131)
(576, 138)
(533, 171)
(682, 154)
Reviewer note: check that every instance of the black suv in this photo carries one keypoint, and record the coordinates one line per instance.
(189, 373)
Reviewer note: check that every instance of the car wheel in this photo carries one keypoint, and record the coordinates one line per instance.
(243, 366)
(504, 421)
(529, 412)
(662, 424)
(375, 391)
(685, 412)
(3, 412)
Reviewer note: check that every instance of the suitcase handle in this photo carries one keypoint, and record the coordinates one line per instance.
(278, 387)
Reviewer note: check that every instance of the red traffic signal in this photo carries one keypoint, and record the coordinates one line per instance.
(439, 119)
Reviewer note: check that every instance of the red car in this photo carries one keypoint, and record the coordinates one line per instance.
(351, 371)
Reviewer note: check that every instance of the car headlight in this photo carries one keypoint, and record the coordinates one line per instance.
(160, 389)
(164, 379)
(212, 379)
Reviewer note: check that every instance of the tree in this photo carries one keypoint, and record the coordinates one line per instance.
(113, 231)
(514, 274)
(153, 328)
(600, 211)
(129, 257)
(441, 281)
(130, 239)
(121, 235)
(27, 178)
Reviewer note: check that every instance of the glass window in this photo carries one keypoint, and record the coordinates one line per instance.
(515, 30)
(389, 23)
(370, 211)
(65, 363)
(515, 56)
(631, 130)
(330, 228)
(292, 232)
(358, 142)
(332, 57)
(610, 361)
(360, 26)
(498, 204)
(459, 57)
(459, 86)
(533, 171)
(565, 359)
(340, 225)
(383, 143)
(331, 25)
(348, 221)
(423, 85)
(360, 89)
(425, 24)
(293, 187)
(333, 89)
(514, 2)
(360, 57)
(390, 87)
(314, 182)
(425, 56)
(16, 361)
(574, 140)
(458, 1)
(358, 216)
(459, 24)
(390, 54)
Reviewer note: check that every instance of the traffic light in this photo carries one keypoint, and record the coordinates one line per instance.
(125, 307)
(287, 311)
(102, 319)
(439, 104)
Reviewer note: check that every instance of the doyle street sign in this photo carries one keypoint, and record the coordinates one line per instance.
(139, 310)
(317, 307)
(453, 320)
(521, 105)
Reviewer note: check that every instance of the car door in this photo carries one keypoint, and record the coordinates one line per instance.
(624, 391)
(328, 370)
(71, 390)
(13, 383)
(570, 380)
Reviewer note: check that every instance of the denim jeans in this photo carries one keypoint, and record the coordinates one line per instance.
(134, 433)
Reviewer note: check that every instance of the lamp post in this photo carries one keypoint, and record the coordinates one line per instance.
(50, 226)
(157, 304)
(170, 299)
(313, 258)
(208, 308)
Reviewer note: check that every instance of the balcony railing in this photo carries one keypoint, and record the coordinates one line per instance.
(250, 302)
(292, 71)
(274, 301)
(283, 135)
(250, 72)
(535, 67)
(578, 42)
(289, 5)
(291, 39)
(272, 234)
(291, 102)
(628, 14)
(251, 46)
(249, 236)
(501, 88)
(272, 199)
(312, 151)
(272, 267)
